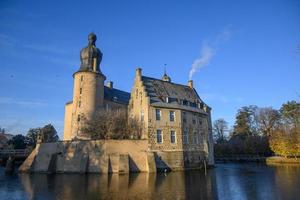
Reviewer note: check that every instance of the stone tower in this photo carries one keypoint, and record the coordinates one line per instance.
(88, 92)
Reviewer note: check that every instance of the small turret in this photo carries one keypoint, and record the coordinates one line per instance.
(165, 77)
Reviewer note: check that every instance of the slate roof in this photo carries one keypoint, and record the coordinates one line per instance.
(168, 94)
(115, 95)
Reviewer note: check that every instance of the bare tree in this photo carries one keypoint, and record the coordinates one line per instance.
(220, 126)
(268, 120)
(112, 124)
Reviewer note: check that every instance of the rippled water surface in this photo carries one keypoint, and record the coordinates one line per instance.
(225, 181)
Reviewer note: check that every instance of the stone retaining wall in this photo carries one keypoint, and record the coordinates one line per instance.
(106, 156)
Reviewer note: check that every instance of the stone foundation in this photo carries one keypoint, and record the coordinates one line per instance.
(107, 156)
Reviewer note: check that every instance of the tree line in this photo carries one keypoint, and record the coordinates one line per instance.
(46, 133)
(260, 131)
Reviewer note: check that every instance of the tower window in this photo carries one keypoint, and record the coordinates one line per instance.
(173, 137)
(158, 114)
(159, 138)
(80, 91)
(81, 78)
(142, 115)
(78, 118)
(172, 116)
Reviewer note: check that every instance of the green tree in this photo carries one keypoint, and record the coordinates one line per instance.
(31, 137)
(18, 142)
(49, 134)
(244, 124)
(290, 112)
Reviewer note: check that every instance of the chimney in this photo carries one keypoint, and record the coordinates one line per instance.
(190, 84)
(110, 84)
(138, 72)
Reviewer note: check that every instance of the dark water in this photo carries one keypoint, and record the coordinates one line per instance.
(226, 181)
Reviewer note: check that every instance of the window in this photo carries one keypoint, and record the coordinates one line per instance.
(194, 121)
(172, 116)
(173, 137)
(78, 118)
(200, 121)
(159, 136)
(142, 115)
(158, 114)
(167, 100)
(79, 104)
(184, 117)
(80, 91)
(195, 138)
(81, 78)
(185, 138)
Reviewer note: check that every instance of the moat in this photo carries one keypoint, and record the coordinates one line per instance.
(225, 181)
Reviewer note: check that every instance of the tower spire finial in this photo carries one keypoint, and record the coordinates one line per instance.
(165, 77)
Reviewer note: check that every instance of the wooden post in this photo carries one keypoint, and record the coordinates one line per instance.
(9, 168)
(204, 166)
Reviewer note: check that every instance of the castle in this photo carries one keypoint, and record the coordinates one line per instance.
(175, 119)
(176, 133)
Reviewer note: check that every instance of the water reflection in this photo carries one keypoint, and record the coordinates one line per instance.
(134, 186)
(226, 181)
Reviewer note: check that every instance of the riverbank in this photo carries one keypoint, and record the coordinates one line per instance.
(267, 160)
(282, 160)
(240, 158)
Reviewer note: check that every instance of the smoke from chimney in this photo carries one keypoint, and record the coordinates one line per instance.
(208, 50)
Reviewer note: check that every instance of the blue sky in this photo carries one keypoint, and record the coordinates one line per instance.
(246, 52)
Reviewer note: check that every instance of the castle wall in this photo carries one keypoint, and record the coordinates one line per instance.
(68, 121)
(95, 156)
(106, 156)
(166, 126)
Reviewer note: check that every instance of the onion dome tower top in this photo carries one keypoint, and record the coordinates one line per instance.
(91, 56)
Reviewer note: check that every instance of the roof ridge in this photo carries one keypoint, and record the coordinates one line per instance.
(116, 89)
(167, 82)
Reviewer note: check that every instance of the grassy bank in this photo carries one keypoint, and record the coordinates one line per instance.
(282, 160)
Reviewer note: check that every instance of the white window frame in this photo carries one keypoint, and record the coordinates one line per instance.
(161, 135)
(175, 137)
(158, 114)
(174, 115)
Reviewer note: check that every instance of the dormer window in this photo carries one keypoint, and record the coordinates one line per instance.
(185, 102)
(167, 100)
